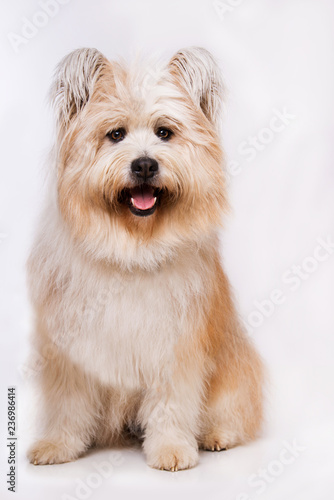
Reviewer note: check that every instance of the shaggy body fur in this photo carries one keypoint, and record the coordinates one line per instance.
(134, 314)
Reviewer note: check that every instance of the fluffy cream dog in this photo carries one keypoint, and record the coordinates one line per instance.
(134, 314)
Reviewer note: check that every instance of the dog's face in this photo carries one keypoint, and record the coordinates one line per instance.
(139, 160)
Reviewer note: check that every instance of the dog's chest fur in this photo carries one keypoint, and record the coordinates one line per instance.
(123, 328)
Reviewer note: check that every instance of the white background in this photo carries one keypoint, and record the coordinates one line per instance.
(275, 55)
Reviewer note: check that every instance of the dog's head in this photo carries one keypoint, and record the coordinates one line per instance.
(139, 160)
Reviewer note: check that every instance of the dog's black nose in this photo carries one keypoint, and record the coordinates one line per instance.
(144, 168)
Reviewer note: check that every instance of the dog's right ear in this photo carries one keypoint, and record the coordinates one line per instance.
(196, 71)
(74, 81)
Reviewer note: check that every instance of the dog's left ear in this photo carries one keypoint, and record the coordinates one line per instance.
(197, 72)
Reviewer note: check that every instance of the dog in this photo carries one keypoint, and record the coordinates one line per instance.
(134, 316)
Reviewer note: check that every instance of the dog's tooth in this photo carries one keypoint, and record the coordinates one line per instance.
(132, 201)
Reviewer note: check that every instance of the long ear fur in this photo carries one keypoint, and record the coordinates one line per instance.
(197, 71)
(75, 77)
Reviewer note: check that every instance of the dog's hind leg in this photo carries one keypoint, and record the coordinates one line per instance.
(233, 410)
(234, 403)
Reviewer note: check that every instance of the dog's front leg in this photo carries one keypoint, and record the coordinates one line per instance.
(68, 415)
(170, 415)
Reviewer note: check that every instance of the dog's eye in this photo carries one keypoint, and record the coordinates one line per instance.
(164, 133)
(117, 135)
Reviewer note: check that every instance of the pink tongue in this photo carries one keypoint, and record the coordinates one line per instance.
(143, 199)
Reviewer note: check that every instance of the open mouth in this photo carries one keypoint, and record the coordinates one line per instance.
(142, 200)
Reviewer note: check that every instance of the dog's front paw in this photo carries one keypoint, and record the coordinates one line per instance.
(46, 452)
(173, 458)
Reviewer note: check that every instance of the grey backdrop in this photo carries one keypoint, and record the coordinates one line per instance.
(277, 60)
